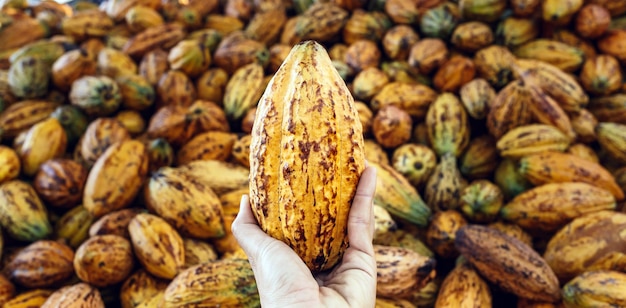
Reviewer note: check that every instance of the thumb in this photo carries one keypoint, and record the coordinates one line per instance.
(246, 229)
(253, 240)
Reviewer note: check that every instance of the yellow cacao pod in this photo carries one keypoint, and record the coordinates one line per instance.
(186, 203)
(104, 260)
(463, 285)
(567, 201)
(595, 289)
(22, 214)
(448, 125)
(442, 232)
(296, 94)
(78, 295)
(141, 17)
(243, 90)
(42, 264)
(225, 282)
(140, 287)
(73, 227)
(71, 66)
(115, 178)
(9, 164)
(602, 248)
(85, 24)
(32, 298)
(508, 262)
(410, 271)
(45, 140)
(157, 245)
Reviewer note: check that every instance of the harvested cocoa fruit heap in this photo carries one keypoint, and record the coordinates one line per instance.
(498, 128)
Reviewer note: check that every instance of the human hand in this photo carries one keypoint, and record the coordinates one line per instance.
(282, 278)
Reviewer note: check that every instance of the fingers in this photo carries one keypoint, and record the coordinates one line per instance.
(361, 219)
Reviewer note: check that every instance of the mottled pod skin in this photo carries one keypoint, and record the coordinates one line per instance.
(463, 287)
(508, 263)
(42, 264)
(306, 157)
(597, 288)
(219, 283)
(589, 242)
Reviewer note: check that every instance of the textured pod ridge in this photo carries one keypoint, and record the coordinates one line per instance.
(306, 156)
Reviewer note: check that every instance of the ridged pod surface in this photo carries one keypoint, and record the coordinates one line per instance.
(560, 12)
(210, 145)
(554, 82)
(596, 289)
(19, 202)
(612, 139)
(243, 90)
(463, 287)
(91, 23)
(221, 283)
(550, 206)
(22, 115)
(414, 161)
(78, 295)
(590, 242)
(306, 157)
(508, 262)
(104, 260)
(557, 167)
(584, 125)
(448, 126)
(41, 264)
(165, 36)
(572, 39)
(400, 271)
(140, 287)
(10, 164)
(187, 204)
(178, 124)
(476, 96)
(220, 176)
(547, 111)
(73, 227)
(480, 158)
(413, 98)
(395, 193)
(480, 201)
(509, 109)
(441, 232)
(114, 223)
(608, 108)
(44, 141)
(31, 298)
(115, 178)
(157, 245)
(444, 185)
(532, 139)
(198, 252)
(561, 55)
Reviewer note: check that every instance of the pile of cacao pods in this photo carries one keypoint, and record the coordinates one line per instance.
(498, 128)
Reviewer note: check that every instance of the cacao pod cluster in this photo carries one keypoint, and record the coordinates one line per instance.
(130, 130)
